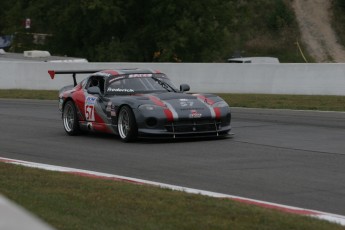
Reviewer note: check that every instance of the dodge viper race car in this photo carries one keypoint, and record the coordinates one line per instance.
(139, 103)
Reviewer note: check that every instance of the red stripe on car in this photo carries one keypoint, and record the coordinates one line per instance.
(169, 115)
(205, 99)
(112, 72)
(157, 101)
(217, 112)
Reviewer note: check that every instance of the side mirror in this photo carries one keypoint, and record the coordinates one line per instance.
(94, 90)
(184, 87)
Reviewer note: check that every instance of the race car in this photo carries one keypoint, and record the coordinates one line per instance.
(139, 103)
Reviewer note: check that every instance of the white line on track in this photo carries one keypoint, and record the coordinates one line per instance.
(339, 219)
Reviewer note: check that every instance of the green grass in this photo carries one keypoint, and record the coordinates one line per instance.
(299, 102)
(29, 94)
(74, 202)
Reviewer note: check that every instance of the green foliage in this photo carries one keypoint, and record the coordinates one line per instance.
(155, 30)
(340, 3)
(339, 19)
(281, 17)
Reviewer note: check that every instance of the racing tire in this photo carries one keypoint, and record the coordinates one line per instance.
(126, 124)
(70, 119)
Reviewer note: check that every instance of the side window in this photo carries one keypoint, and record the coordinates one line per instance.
(96, 81)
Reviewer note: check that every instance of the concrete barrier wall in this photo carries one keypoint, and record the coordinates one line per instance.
(306, 79)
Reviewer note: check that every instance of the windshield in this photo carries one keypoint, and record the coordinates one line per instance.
(130, 85)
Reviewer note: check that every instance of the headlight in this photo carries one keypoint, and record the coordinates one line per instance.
(220, 104)
(148, 107)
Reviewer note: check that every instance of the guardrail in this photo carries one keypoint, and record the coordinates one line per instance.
(304, 79)
(13, 216)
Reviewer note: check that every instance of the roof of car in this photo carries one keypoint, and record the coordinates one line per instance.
(128, 71)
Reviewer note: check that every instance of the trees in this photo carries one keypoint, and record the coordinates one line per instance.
(178, 30)
(338, 8)
(106, 30)
(143, 31)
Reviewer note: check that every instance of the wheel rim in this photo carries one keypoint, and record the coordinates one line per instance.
(123, 124)
(68, 118)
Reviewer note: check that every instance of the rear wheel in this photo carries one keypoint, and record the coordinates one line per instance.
(126, 124)
(70, 119)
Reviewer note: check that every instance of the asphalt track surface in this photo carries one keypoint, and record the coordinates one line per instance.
(294, 158)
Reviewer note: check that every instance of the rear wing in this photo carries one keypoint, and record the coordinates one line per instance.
(74, 73)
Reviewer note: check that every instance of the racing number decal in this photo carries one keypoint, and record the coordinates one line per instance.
(89, 112)
(90, 108)
(185, 102)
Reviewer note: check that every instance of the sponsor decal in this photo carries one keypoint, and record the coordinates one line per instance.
(120, 90)
(90, 100)
(192, 108)
(90, 108)
(140, 75)
(195, 114)
(110, 110)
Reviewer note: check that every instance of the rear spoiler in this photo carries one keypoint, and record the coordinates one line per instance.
(73, 72)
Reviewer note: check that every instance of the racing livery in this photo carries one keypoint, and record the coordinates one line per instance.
(139, 103)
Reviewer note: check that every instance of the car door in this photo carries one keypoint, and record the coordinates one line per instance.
(95, 105)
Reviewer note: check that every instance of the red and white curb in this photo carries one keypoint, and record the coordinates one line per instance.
(284, 208)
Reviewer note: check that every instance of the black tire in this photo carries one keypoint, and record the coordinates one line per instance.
(70, 119)
(127, 125)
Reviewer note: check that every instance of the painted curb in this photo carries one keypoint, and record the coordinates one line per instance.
(339, 219)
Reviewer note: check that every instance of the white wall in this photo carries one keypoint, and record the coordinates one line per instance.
(307, 79)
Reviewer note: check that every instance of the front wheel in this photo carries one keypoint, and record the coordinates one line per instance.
(70, 119)
(126, 124)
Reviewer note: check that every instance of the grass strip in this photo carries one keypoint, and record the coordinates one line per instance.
(29, 94)
(298, 102)
(272, 101)
(73, 202)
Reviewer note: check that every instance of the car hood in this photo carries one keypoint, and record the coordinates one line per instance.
(184, 106)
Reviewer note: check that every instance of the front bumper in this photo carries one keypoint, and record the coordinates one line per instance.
(153, 125)
(182, 130)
